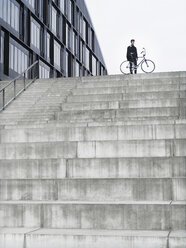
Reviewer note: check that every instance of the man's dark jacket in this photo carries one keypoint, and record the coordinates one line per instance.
(131, 53)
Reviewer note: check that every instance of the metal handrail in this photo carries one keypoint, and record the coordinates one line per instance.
(14, 82)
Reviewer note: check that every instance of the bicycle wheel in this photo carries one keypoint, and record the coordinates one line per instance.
(125, 67)
(148, 66)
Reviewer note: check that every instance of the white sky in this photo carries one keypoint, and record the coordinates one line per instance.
(157, 25)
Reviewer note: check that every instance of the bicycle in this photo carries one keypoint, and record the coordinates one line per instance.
(147, 65)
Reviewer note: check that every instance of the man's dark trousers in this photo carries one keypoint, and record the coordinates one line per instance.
(133, 62)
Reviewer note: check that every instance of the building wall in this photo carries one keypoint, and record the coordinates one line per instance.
(58, 33)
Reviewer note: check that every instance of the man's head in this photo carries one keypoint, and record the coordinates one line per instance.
(132, 42)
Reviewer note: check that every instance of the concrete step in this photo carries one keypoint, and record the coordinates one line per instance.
(106, 123)
(130, 82)
(33, 169)
(125, 104)
(139, 132)
(35, 122)
(128, 96)
(129, 215)
(127, 168)
(177, 239)
(45, 150)
(33, 109)
(139, 76)
(132, 189)
(78, 238)
(127, 89)
(9, 115)
(94, 149)
(154, 167)
(126, 114)
(23, 122)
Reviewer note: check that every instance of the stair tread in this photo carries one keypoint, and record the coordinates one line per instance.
(89, 232)
(97, 202)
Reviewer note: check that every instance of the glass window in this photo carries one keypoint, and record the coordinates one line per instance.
(57, 54)
(83, 53)
(35, 33)
(5, 10)
(9, 12)
(48, 46)
(69, 9)
(62, 6)
(12, 15)
(77, 69)
(18, 57)
(54, 20)
(8, 16)
(1, 9)
(87, 33)
(80, 50)
(66, 69)
(15, 59)
(87, 59)
(81, 25)
(73, 42)
(23, 62)
(68, 36)
(76, 45)
(16, 9)
(92, 39)
(94, 66)
(44, 70)
(102, 71)
(98, 68)
(31, 3)
(77, 19)
(84, 30)
(11, 56)
(2, 48)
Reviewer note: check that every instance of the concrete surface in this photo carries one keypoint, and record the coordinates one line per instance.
(95, 162)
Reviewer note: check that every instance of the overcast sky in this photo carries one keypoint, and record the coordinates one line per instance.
(157, 25)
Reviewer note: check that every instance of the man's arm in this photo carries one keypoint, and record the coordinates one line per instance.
(136, 54)
(128, 53)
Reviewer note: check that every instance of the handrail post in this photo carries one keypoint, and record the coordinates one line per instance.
(14, 89)
(24, 82)
(3, 99)
(37, 70)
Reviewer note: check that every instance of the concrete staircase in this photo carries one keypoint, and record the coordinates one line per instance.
(95, 162)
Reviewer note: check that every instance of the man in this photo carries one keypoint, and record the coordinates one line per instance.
(132, 56)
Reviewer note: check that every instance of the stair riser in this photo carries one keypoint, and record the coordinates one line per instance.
(125, 114)
(124, 105)
(99, 216)
(94, 134)
(97, 189)
(117, 90)
(127, 168)
(33, 169)
(62, 124)
(140, 82)
(79, 241)
(95, 149)
(129, 96)
(93, 168)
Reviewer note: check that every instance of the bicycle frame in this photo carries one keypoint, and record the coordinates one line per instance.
(143, 59)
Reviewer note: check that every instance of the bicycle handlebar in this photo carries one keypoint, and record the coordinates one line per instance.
(144, 51)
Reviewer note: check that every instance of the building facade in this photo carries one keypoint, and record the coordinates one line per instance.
(58, 33)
